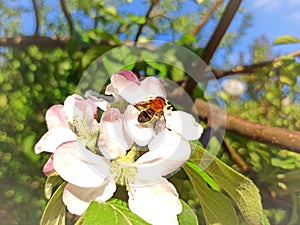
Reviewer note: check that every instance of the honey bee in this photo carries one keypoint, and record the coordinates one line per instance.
(150, 109)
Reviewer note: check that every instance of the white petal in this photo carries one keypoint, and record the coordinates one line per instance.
(77, 199)
(153, 87)
(112, 142)
(79, 166)
(79, 109)
(55, 117)
(184, 124)
(127, 89)
(54, 138)
(141, 134)
(156, 204)
(168, 151)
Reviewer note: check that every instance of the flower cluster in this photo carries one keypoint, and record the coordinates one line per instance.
(94, 157)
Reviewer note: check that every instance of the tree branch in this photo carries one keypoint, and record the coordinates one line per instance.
(241, 69)
(22, 42)
(276, 136)
(206, 17)
(235, 156)
(67, 15)
(37, 17)
(139, 32)
(214, 42)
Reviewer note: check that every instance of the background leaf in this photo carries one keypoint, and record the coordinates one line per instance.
(286, 39)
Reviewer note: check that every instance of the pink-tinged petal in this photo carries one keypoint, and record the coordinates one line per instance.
(79, 166)
(184, 124)
(55, 117)
(168, 151)
(156, 204)
(48, 167)
(77, 199)
(54, 138)
(129, 75)
(79, 109)
(153, 87)
(112, 142)
(140, 133)
(127, 89)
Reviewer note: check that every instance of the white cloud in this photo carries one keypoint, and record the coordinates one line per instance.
(295, 16)
(267, 5)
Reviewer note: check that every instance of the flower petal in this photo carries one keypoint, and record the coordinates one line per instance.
(127, 89)
(140, 133)
(129, 75)
(167, 152)
(77, 199)
(184, 124)
(79, 166)
(48, 167)
(112, 142)
(55, 117)
(156, 204)
(153, 87)
(80, 110)
(54, 138)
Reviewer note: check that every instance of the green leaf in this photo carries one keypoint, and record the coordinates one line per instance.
(285, 39)
(93, 54)
(187, 216)
(204, 175)
(112, 212)
(241, 189)
(55, 211)
(137, 19)
(52, 181)
(217, 208)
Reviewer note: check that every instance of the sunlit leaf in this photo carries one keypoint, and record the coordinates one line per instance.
(110, 213)
(55, 211)
(187, 216)
(241, 189)
(52, 181)
(204, 175)
(217, 208)
(286, 39)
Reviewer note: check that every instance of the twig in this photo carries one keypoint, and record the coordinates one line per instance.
(67, 15)
(214, 42)
(235, 156)
(242, 69)
(206, 17)
(280, 137)
(37, 17)
(139, 32)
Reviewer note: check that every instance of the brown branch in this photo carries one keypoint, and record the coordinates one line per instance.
(67, 15)
(276, 136)
(214, 42)
(242, 69)
(22, 42)
(206, 17)
(235, 156)
(147, 17)
(37, 17)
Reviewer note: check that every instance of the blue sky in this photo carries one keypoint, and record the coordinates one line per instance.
(273, 18)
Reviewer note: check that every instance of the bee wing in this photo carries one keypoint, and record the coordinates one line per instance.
(160, 123)
(142, 105)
